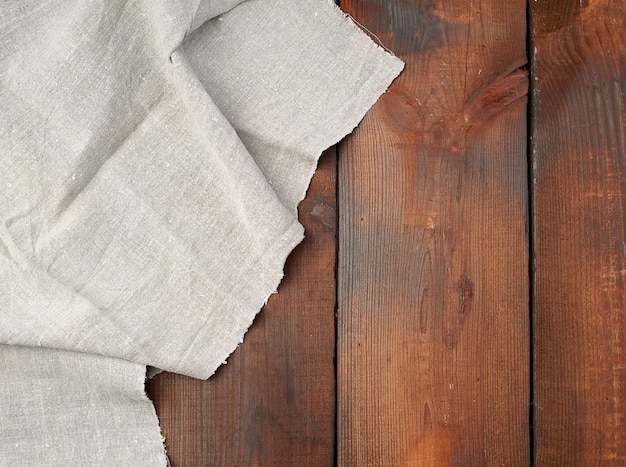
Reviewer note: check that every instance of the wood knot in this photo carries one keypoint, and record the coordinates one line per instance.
(504, 92)
(466, 295)
(322, 212)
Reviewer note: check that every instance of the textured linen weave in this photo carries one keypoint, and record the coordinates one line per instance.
(152, 155)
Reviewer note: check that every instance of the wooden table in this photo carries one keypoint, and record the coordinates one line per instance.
(460, 296)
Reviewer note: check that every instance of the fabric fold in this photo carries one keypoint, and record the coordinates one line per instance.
(308, 106)
(151, 162)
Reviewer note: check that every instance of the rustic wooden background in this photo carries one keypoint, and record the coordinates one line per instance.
(460, 297)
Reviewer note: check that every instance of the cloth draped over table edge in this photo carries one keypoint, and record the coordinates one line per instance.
(153, 160)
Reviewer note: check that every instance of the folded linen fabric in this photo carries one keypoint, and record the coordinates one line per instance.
(152, 155)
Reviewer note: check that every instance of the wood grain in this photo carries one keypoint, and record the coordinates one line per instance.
(579, 173)
(274, 402)
(433, 290)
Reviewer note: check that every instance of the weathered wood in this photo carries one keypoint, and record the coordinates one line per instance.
(274, 402)
(433, 344)
(579, 172)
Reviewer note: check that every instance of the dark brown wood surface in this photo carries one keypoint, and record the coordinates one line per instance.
(579, 160)
(437, 360)
(273, 404)
(433, 334)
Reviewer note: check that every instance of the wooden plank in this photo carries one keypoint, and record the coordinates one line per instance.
(433, 344)
(579, 160)
(274, 402)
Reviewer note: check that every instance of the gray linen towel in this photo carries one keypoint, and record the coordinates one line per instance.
(152, 155)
